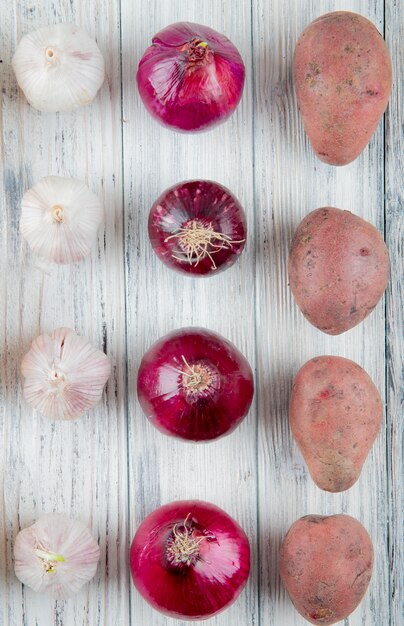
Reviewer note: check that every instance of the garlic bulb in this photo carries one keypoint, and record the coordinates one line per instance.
(60, 218)
(56, 554)
(59, 68)
(64, 375)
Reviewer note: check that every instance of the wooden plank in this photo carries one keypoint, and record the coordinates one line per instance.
(289, 183)
(159, 300)
(81, 467)
(394, 150)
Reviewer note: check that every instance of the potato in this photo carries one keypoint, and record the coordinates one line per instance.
(326, 565)
(343, 78)
(338, 269)
(335, 413)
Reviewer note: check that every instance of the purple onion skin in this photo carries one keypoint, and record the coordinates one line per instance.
(188, 87)
(203, 588)
(179, 411)
(204, 202)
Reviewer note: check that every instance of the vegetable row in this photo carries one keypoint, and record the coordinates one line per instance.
(338, 263)
(191, 78)
(189, 559)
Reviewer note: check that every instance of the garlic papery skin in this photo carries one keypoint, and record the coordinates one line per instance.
(59, 68)
(60, 218)
(64, 374)
(56, 555)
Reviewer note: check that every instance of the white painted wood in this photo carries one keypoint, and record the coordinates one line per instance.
(394, 211)
(112, 467)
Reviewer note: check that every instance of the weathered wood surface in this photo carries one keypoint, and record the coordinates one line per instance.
(394, 232)
(112, 468)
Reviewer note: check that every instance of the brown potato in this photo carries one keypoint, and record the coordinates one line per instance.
(338, 269)
(326, 565)
(335, 414)
(343, 78)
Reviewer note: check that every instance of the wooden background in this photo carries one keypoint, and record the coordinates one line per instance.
(111, 468)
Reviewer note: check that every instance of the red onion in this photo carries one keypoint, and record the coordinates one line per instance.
(191, 77)
(190, 559)
(197, 227)
(194, 384)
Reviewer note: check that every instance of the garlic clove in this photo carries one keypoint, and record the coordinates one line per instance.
(56, 555)
(60, 218)
(64, 375)
(58, 67)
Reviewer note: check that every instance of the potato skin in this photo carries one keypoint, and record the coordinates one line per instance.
(343, 79)
(335, 414)
(338, 269)
(326, 564)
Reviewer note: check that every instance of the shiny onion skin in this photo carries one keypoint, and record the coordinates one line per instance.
(190, 559)
(197, 227)
(191, 78)
(195, 385)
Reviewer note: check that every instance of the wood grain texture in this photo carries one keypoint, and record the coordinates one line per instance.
(394, 225)
(111, 468)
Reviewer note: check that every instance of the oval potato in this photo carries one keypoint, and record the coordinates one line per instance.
(343, 79)
(326, 564)
(335, 414)
(338, 269)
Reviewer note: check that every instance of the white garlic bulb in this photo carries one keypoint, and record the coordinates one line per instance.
(59, 68)
(60, 218)
(64, 374)
(56, 554)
